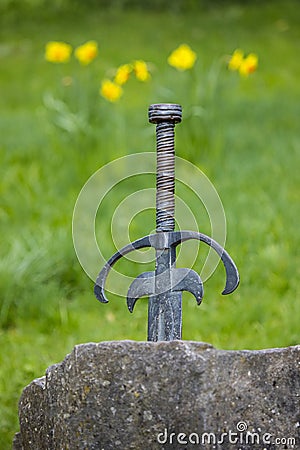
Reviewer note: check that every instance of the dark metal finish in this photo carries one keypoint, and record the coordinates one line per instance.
(165, 285)
(100, 281)
(164, 308)
(165, 116)
(144, 284)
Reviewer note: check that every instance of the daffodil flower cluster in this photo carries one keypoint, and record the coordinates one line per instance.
(60, 52)
(112, 90)
(183, 58)
(245, 65)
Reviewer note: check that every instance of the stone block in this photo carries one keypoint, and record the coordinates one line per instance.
(164, 395)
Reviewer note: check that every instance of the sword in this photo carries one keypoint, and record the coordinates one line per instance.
(164, 286)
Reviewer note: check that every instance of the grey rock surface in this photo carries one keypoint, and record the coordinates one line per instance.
(166, 395)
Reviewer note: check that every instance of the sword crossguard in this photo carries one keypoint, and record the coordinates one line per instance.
(180, 279)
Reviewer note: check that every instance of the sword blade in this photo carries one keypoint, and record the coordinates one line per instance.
(165, 308)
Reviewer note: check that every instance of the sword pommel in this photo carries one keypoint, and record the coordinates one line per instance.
(165, 112)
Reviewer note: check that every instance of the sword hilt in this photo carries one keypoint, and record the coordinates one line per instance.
(165, 116)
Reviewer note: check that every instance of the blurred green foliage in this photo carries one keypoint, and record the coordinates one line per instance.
(14, 9)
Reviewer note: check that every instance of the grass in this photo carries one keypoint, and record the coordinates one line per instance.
(245, 138)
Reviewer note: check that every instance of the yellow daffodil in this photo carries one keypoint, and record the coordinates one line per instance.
(122, 74)
(87, 52)
(236, 60)
(110, 91)
(248, 65)
(141, 70)
(58, 52)
(182, 58)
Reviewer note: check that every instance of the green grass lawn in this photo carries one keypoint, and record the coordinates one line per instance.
(243, 133)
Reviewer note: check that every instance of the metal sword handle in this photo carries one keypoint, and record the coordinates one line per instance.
(165, 116)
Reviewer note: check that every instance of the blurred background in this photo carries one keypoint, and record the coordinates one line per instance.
(59, 125)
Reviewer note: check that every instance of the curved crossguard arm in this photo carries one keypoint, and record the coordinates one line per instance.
(101, 279)
(161, 241)
(232, 274)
